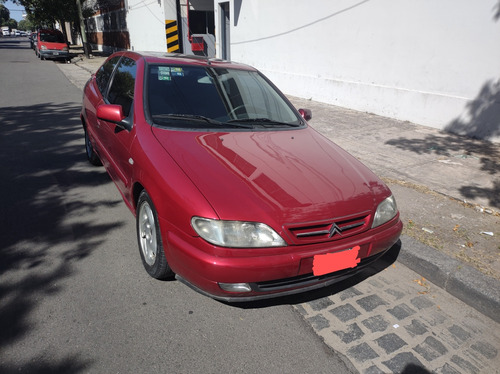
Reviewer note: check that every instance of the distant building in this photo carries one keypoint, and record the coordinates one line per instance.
(152, 25)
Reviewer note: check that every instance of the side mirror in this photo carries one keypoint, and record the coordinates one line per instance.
(114, 114)
(306, 114)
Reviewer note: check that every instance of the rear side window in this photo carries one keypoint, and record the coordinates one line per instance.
(104, 74)
(121, 91)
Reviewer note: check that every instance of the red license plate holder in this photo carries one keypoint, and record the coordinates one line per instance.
(332, 262)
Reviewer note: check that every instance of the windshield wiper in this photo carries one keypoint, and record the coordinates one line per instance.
(200, 118)
(263, 120)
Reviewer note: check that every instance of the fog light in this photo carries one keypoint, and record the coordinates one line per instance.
(235, 287)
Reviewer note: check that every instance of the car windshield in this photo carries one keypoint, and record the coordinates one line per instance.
(51, 37)
(211, 97)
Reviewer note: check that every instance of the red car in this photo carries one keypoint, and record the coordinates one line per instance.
(233, 193)
(50, 44)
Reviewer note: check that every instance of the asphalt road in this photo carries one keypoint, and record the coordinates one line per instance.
(73, 294)
(75, 298)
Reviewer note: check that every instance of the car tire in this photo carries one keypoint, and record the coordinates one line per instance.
(149, 239)
(89, 151)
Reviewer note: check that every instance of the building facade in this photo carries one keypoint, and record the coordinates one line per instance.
(432, 62)
(177, 26)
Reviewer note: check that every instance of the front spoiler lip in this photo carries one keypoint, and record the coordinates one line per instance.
(323, 281)
(264, 296)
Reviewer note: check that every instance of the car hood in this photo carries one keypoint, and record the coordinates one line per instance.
(275, 177)
(54, 46)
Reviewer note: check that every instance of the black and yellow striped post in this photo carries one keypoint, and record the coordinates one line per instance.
(172, 35)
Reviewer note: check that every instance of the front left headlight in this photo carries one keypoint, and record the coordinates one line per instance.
(236, 234)
(386, 211)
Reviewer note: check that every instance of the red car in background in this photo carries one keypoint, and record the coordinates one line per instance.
(50, 44)
(233, 193)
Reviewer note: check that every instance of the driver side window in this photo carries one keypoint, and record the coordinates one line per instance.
(104, 74)
(121, 91)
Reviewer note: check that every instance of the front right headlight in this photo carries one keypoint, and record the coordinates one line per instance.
(386, 211)
(236, 234)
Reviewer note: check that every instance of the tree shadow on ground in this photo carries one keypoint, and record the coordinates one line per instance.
(461, 147)
(45, 365)
(14, 43)
(481, 120)
(44, 219)
(482, 117)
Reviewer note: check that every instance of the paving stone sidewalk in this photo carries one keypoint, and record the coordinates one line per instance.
(398, 322)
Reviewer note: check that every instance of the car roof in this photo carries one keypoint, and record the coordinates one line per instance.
(181, 59)
(49, 31)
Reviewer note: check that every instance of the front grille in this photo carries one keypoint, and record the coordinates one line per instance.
(327, 230)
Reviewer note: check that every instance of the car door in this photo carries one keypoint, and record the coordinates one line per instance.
(95, 92)
(117, 140)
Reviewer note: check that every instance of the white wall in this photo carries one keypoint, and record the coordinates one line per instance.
(432, 62)
(146, 24)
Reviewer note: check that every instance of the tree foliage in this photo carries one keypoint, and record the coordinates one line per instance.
(4, 14)
(48, 12)
(5, 19)
(25, 25)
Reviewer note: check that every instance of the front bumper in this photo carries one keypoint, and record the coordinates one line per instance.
(288, 286)
(53, 54)
(269, 272)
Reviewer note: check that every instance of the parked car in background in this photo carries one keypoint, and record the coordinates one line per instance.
(32, 38)
(233, 192)
(50, 44)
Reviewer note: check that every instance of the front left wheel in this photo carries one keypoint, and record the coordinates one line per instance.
(149, 239)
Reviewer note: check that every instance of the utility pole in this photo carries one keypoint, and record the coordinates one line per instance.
(86, 47)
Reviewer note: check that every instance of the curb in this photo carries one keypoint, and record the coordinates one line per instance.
(462, 281)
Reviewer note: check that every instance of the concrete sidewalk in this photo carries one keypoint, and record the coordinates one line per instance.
(408, 155)
(456, 166)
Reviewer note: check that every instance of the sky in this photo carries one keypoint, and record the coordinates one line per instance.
(16, 11)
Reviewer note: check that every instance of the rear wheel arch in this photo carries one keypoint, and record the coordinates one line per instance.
(84, 123)
(92, 156)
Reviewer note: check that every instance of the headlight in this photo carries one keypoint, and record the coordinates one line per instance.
(65, 49)
(43, 47)
(386, 211)
(236, 234)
